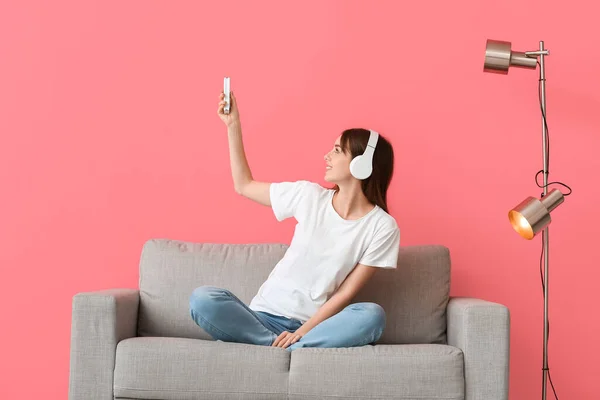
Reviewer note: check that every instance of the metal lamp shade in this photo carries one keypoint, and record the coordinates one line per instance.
(532, 215)
(499, 57)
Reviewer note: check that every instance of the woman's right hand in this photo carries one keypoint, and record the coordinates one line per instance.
(234, 116)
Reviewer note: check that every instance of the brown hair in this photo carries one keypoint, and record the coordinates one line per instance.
(375, 187)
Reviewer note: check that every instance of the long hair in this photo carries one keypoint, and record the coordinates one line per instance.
(375, 187)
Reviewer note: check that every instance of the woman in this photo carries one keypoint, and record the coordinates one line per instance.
(344, 234)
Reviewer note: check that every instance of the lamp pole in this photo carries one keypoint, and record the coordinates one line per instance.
(545, 237)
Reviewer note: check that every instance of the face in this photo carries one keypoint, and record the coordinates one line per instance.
(337, 164)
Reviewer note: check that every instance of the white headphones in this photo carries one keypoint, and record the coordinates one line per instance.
(361, 166)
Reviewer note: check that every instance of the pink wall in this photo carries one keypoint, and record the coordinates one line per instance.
(110, 137)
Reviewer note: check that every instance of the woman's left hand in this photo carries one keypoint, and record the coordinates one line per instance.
(286, 339)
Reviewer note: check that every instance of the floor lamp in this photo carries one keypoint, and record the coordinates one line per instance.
(532, 215)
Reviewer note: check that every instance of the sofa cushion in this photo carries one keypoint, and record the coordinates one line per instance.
(170, 270)
(181, 369)
(407, 372)
(414, 295)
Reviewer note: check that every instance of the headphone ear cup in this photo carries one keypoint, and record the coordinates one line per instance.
(360, 168)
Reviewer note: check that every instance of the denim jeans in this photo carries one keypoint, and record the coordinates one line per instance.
(225, 317)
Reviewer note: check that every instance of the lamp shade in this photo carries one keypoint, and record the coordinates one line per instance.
(532, 215)
(499, 57)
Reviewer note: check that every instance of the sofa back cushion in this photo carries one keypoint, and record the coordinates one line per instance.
(414, 295)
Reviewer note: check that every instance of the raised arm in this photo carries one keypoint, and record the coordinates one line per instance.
(243, 182)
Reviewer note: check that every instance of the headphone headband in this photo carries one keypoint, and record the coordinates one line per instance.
(373, 139)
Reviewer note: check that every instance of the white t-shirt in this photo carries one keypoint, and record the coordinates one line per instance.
(324, 250)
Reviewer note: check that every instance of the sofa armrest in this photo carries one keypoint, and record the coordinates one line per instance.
(99, 321)
(481, 329)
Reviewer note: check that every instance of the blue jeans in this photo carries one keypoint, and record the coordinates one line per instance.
(225, 317)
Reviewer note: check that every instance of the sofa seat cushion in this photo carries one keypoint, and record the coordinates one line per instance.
(183, 368)
(407, 372)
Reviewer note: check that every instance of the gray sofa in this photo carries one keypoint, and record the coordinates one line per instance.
(143, 344)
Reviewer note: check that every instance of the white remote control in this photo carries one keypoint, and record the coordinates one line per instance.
(226, 90)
